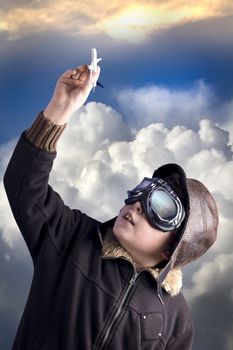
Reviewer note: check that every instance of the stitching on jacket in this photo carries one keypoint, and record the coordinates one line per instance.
(95, 282)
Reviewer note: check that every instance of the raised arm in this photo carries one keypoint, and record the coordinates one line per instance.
(71, 92)
(43, 219)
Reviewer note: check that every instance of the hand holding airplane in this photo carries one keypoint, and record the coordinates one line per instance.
(72, 90)
(93, 66)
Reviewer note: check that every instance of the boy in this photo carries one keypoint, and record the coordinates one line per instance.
(114, 285)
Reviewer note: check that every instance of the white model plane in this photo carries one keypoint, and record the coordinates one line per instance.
(93, 65)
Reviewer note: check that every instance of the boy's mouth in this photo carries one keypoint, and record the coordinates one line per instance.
(129, 218)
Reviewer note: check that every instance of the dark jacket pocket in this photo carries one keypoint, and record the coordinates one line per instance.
(152, 326)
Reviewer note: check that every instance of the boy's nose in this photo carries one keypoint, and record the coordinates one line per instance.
(137, 206)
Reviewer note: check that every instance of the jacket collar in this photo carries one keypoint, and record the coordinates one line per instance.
(111, 249)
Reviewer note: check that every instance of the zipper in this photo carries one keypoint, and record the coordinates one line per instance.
(131, 282)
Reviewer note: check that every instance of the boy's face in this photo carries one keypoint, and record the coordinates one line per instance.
(148, 246)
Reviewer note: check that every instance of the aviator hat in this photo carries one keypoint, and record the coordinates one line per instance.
(199, 228)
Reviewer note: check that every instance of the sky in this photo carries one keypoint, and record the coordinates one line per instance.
(168, 97)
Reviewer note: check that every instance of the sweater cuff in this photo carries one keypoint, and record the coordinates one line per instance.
(44, 134)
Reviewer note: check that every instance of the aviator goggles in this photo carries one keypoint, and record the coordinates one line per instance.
(160, 203)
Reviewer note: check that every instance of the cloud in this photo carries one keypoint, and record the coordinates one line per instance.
(212, 276)
(227, 109)
(99, 159)
(211, 301)
(187, 106)
(8, 227)
(121, 20)
(150, 104)
(16, 274)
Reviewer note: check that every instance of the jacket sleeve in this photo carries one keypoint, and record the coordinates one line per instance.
(42, 217)
(182, 341)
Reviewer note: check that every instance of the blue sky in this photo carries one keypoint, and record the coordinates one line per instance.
(174, 58)
(174, 68)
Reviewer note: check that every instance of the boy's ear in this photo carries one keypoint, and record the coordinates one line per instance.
(167, 253)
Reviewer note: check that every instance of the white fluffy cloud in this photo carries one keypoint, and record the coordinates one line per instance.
(146, 105)
(213, 276)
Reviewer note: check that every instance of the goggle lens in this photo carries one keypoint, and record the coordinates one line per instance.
(163, 205)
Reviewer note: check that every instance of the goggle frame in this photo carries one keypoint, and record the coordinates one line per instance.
(144, 196)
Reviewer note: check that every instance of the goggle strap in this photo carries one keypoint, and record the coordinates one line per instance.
(160, 280)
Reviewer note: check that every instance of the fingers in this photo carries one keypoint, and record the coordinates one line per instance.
(70, 73)
(82, 73)
(81, 70)
(80, 76)
(78, 72)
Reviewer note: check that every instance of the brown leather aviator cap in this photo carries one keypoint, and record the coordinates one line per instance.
(199, 228)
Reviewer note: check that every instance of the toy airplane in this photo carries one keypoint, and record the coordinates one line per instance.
(93, 65)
